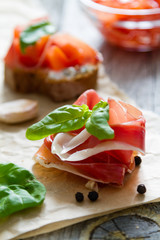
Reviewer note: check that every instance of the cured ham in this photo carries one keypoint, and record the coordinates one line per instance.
(106, 160)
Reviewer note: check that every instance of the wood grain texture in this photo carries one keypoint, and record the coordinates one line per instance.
(138, 74)
(135, 223)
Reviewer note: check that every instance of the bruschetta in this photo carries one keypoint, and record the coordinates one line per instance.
(56, 64)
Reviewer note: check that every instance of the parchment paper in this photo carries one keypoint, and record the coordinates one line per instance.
(60, 208)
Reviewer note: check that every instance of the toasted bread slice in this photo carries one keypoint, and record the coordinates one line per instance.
(60, 86)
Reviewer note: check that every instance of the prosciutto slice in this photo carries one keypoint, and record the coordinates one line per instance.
(104, 161)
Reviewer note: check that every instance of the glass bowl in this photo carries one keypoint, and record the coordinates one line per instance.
(136, 30)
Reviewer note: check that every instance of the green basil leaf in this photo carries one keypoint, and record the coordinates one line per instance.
(97, 124)
(19, 189)
(34, 32)
(63, 119)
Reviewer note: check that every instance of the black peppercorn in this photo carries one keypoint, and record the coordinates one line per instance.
(79, 196)
(141, 188)
(138, 160)
(93, 196)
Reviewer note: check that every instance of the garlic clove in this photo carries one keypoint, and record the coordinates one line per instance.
(91, 185)
(18, 111)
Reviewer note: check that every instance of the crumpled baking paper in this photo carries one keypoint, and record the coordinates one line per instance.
(60, 208)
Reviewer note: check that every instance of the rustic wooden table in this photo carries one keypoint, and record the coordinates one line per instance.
(138, 74)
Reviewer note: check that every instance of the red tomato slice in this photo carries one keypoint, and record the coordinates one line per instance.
(56, 52)
(134, 4)
(10, 57)
(56, 59)
(83, 53)
(72, 54)
(32, 54)
(30, 58)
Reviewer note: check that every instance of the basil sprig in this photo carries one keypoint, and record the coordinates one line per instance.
(97, 124)
(73, 117)
(34, 32)
(19, 189)
(63, 119)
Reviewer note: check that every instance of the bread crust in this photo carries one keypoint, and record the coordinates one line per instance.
(43, 81)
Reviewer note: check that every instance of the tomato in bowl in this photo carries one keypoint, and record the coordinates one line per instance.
(132, 25)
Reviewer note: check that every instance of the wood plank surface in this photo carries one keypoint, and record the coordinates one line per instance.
(138, 74)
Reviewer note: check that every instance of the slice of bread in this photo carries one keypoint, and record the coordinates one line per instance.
(60, 86)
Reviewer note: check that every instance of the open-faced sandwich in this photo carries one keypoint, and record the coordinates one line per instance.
(56, 64)
(92, 138)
